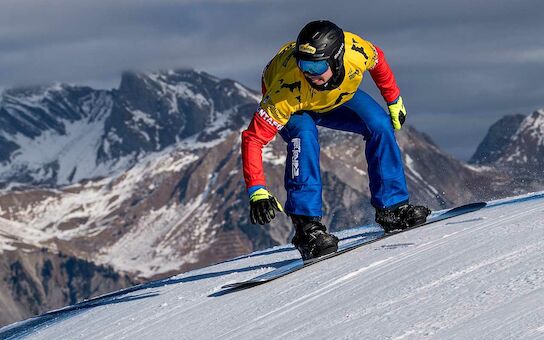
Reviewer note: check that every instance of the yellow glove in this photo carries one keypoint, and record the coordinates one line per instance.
(397, 111)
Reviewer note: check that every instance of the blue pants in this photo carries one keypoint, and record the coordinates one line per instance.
(361, 115)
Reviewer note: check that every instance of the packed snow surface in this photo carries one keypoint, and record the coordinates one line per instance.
(480, 275)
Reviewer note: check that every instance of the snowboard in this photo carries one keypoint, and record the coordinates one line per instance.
(348, 246)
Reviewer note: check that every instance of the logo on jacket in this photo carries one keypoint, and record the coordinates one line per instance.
(295, 169)
(353, 74)
(307, 48)
(264, 115)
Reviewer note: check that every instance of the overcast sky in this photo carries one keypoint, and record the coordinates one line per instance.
(460, 64)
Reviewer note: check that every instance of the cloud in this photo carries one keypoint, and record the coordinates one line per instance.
(474, 59)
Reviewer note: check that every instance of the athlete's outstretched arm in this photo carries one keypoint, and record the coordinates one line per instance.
(257, 135)
(384, 78)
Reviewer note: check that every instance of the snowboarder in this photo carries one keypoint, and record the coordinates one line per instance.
(314, 81)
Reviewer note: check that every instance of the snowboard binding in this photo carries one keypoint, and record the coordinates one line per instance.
(311, 237)
(402, 217)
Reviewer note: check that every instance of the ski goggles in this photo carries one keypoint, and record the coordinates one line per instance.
(314, 68)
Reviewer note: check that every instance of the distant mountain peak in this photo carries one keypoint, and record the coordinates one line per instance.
(516, 143)
(533, 125)
(106, 131)
(498, 137)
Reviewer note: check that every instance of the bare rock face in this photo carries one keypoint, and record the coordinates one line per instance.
(439, 180)
(497, 140)
(525, 152)
(515, 145)
(33, 281)
(145, 181)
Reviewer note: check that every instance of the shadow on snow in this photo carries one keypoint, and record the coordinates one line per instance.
(26, 327)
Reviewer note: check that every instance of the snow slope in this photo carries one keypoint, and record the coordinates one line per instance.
(479, 275)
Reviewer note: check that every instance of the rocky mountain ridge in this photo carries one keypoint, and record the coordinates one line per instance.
(63, 134)
(515, 145)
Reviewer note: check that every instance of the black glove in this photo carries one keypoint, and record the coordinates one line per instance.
(263, 207)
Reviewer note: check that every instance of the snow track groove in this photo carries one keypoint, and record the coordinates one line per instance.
(391, 265)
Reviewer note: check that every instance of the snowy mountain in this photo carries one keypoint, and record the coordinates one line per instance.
(146, 180)
(478, 275)
(185, 207)
(154, 111)
(63, 134)
(497, 140)
(47, 133)
(515, 144)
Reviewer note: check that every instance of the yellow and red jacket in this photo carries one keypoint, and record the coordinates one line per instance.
(286, 91)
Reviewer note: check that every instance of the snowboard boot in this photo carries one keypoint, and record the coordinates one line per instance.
(402, 217)
(311, 237)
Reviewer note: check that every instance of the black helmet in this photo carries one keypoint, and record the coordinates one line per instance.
(322, 40)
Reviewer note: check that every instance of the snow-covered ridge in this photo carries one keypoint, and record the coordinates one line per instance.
(98, 199)
(69, 152)
(478, 275)
(87, 210)
(515, 144)
(534, 126)
(526, 146)
(412, 173)
(158, 216)
(62, 134)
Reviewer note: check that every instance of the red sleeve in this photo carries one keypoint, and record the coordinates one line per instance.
(257, 135)
(384, 78)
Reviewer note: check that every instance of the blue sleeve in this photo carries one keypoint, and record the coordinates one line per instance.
(251, 190)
